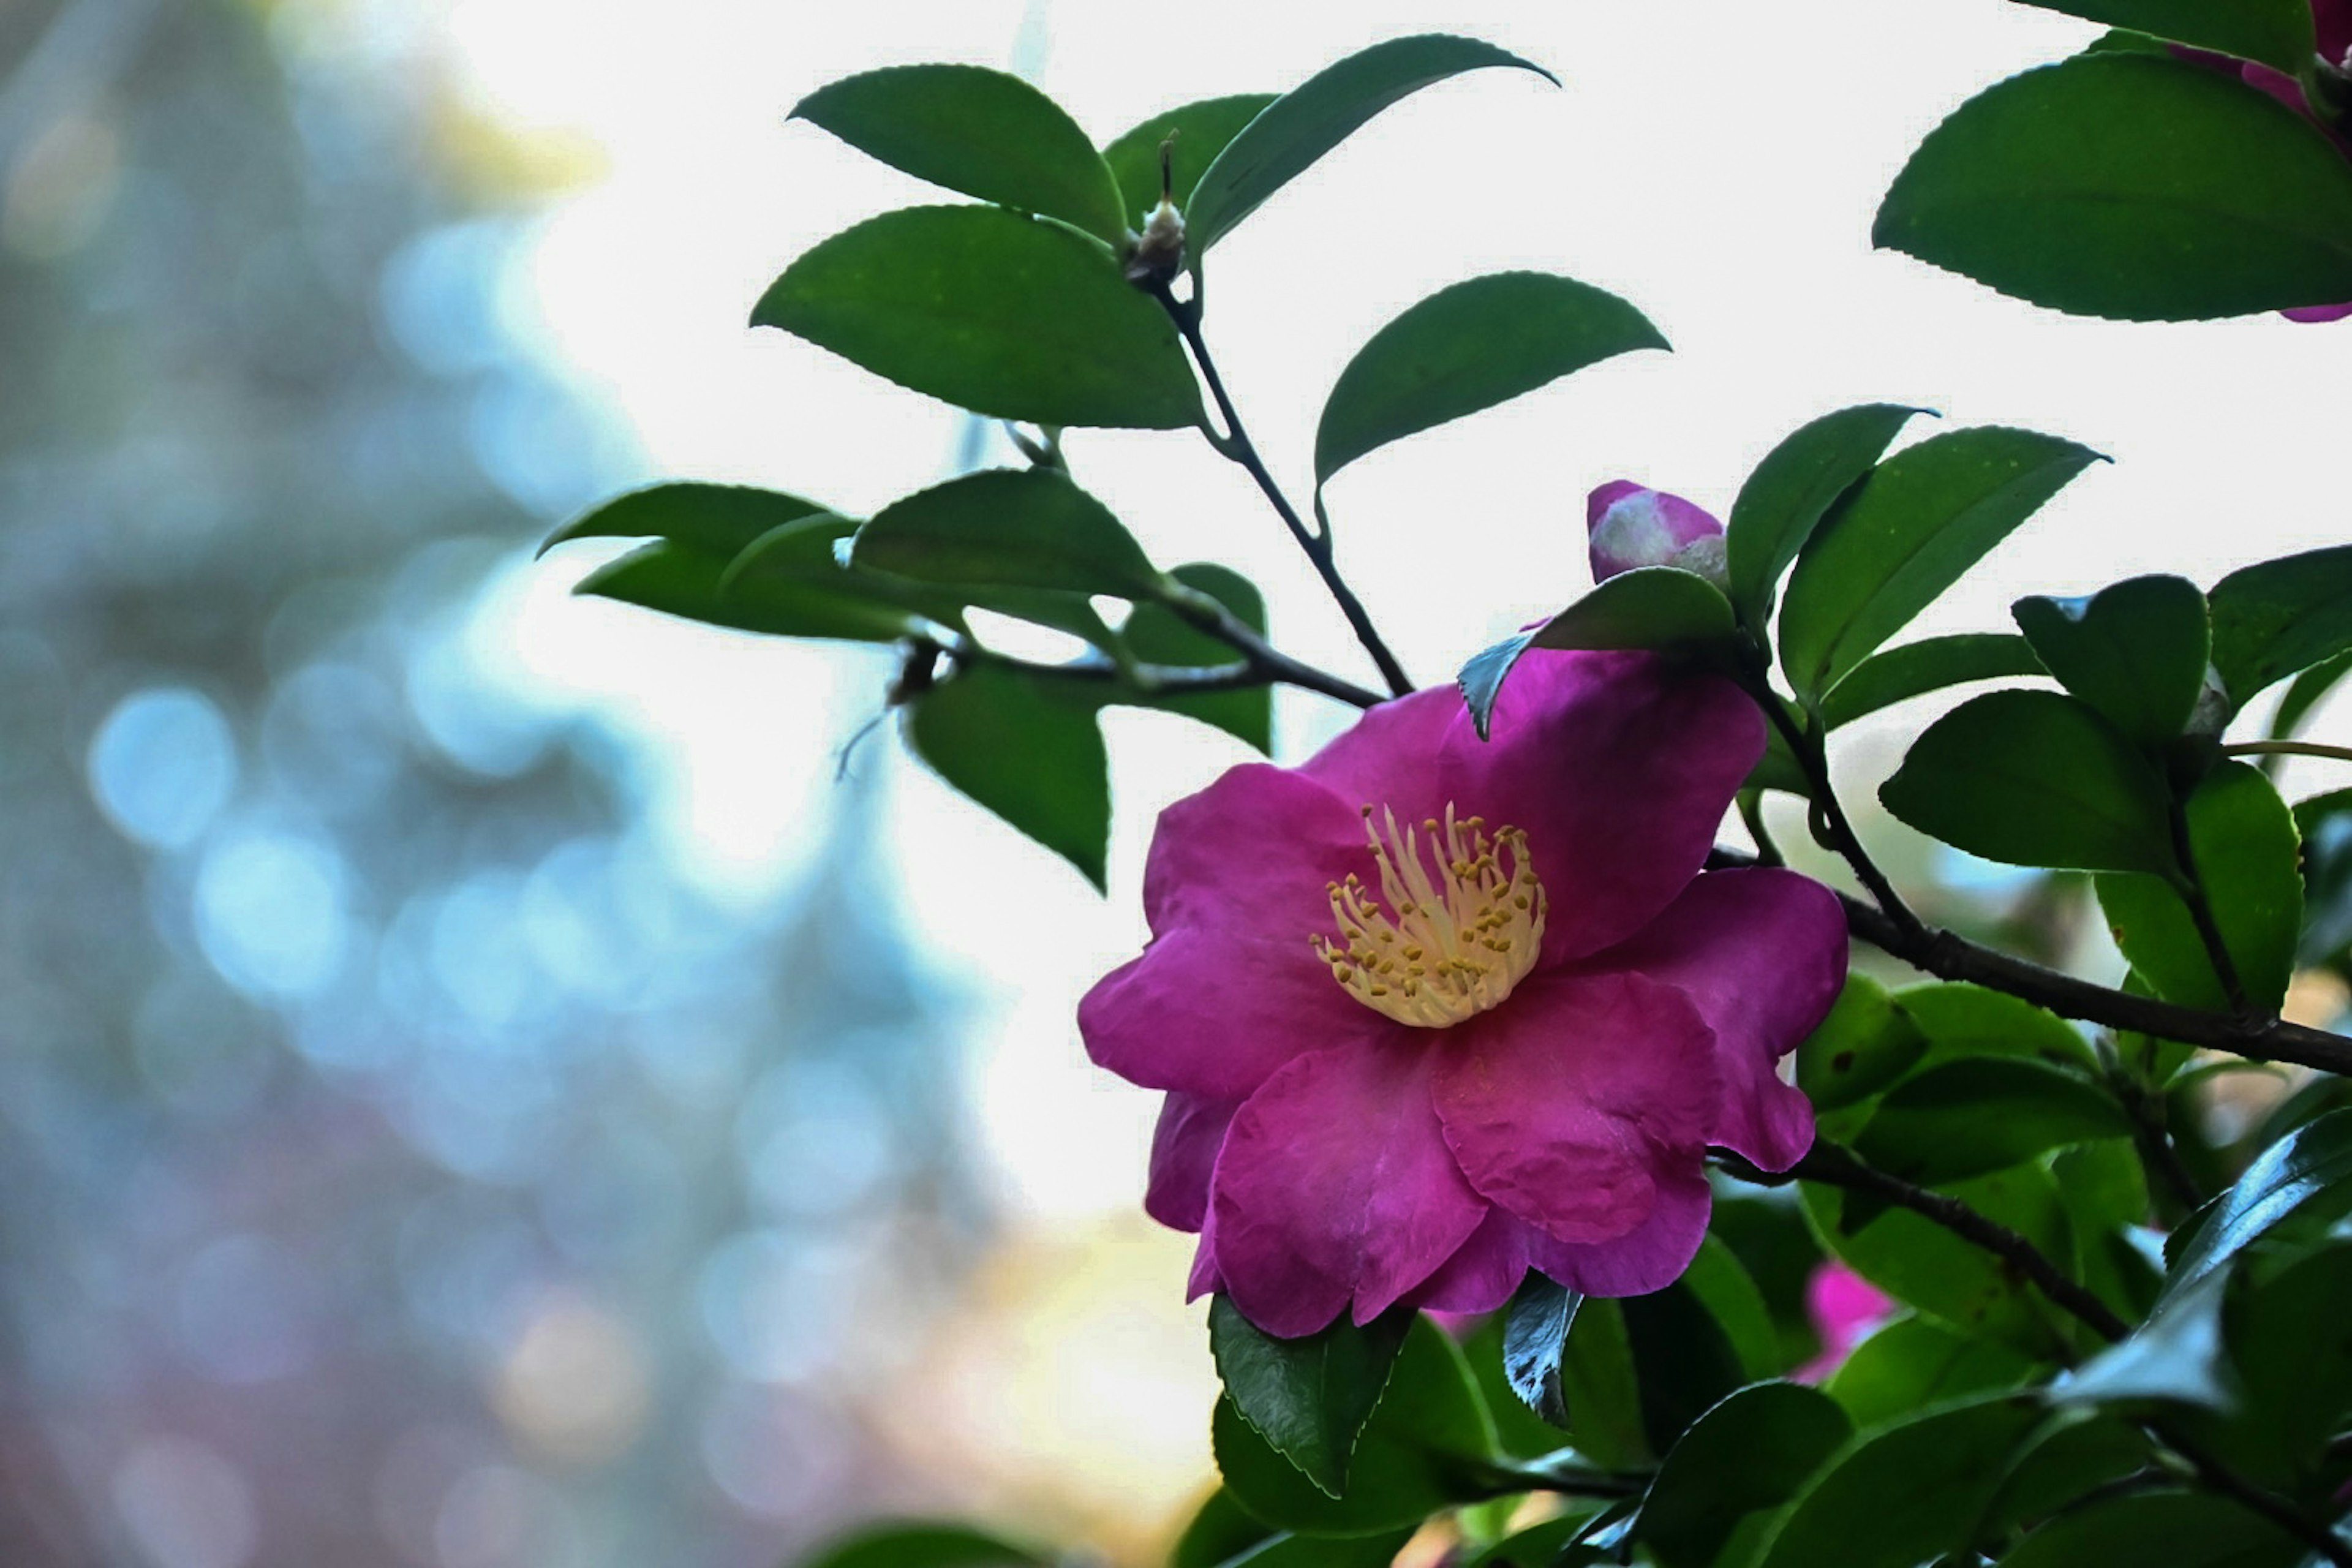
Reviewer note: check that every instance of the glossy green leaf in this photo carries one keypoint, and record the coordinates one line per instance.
(978, 131)
(1012, 528)
(1028, 749)
(1200, 130)
(2177, 1529)
(1648, 607)
(1420, 1452)
(2130, 185)
(991, 312)
(1156, 634)
(1219, 1530)
(2035, 778)
(1905, 1494)
(924, 1544)
(2274, 618)
(2276, 32)
(2074, 1452)
(1789, 493)
(2176, 1357)
(2135, 651)
(1747, 1454)
(2308, 1171)
(1320, 113)
(1899, 674)
(681, 580)
(1905, 534)
(2247, 856)
(1308, 1397)
(1469, 347)
(717, 519)
(1980, 1114)
(1534, 1338)
(1867, 1042)
(1915, 1362)
(2324, 823)
(1964, 1020)
(2298, 1376)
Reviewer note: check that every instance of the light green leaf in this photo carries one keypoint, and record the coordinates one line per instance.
(1867, 1042)
(1899, 674)
(1915, 1362)
(1202, 131)
(1156, 634)
(1028, 749)
(1008, 528)
(1964, 1020)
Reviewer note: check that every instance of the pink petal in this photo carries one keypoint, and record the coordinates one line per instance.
(1650, 1256)
(1619, 772)
(1184, 1152)
(1763, 953)
(1389, 757)
(1572, 1102)
(2314, 313)
(1252, 853)
(1483, 1271)
(1216, 1012)
(1335, 1186)
(1205, 1277)
(1633, 525)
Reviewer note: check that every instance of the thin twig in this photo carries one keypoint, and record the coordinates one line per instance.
(1261, 666)
(2288, 749)
(1236, 445)
(1813, 758)
(2201, 914)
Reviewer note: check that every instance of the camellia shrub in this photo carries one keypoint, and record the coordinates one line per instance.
(1560, 1190)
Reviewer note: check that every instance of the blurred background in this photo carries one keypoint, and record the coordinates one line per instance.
(494, 1078)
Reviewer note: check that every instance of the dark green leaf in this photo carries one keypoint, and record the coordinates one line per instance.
(1535, 1337)
(1931, 664)
(2074, 1452)
(2324, 823)
(2246, 855)
(2135, 651)
(681, 580)
(2290, 1343)
(1792, 489)
(717, 519)
(1469, 347)
(1421, 1450)
(1308, 1397)
(2105, 1188)
(803, 559)
(1202, 131)
(1012, 528)
(1980, 1114)
(1551, 1544)
(1028, 751)
(1288, 1551)
(975, 131)
(2276, 32)
(1684, 1359)
(1867, 1043)
(1648, 607)
(919, 1545)
(1318, 114)
(1906, 533)
(2035, 778)
(1915, 1362)
(2306, 692)
(2309, 1169)
(1601, 1389)
(1724, 1287)
(991, 312)
(1778, 768)
(1748, 1454)
(1904, 1494)
(2179, 1530)
(1221, 1529)
(2130, 185)
(1765, 1228)
(2176, 1357)
(1964, 1020)
(2273, 619)
(1156, 634)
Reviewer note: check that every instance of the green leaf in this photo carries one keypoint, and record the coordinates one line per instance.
(2298, 1381)
(1684, 1359)
(1899, 674)
(2035, 778)
(2309, 1170)
(1156, 634)
(1219, 1530)
(1469, 347)
(1914, 1363)
(2324, 823)
(1423, 1450)
(1906, 533)
(1964, 1020)
(1012, 528)
(1202, 131)
(1318, 114)
(2180, 1530)
(681, 580)
(2135, 651)
(717, 519)
(978, 131)
(1723, 1286)
(1867, 1043)
(2306, 692)
(2276, 617)
(2247, 857)
(1792, 489)
(1534, 1338)
(2130, 185)
(1748, 1454)
(2176, 1357)
(1904, 1494)
(1308, 1397)
(1289, 1551)
(2074, 1452)
(1980, 1114)
(1601, 1389)
(2275, 32)
(1028, 751)
(803, 559)
(1648, 607)
(991, 312)
(920, 1545)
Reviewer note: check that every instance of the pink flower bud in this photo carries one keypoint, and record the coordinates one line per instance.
(1633, 525)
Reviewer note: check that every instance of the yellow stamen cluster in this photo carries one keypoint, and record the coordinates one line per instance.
(1468, 921)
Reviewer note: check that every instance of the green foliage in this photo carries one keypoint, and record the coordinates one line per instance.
(2276, 32)
(1467, 348)
(1309, 1397)
(1012, 528)
(1660, 607)
(1867, 1042)
(2136, 651)
(2306, 1172)
(2178, 1529)
(1219, 1530)
(1903, 1494)
(1028, 749)
(1899, 674)
(1746, 1456)
(991, 312)
(2131, 185)
(1201, 131)
(1789, 493)
(1916, 1363)
(2273, 619)
(1535, 1337)
(1156, 634)
(925, 1545)
(1980, 1114)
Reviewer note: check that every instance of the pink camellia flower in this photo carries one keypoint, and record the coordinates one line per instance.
(1633, 525)
(1432, 1011)
(1846, 1309)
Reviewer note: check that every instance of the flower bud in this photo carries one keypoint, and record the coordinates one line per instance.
(1157, 255)
(1633, 525)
